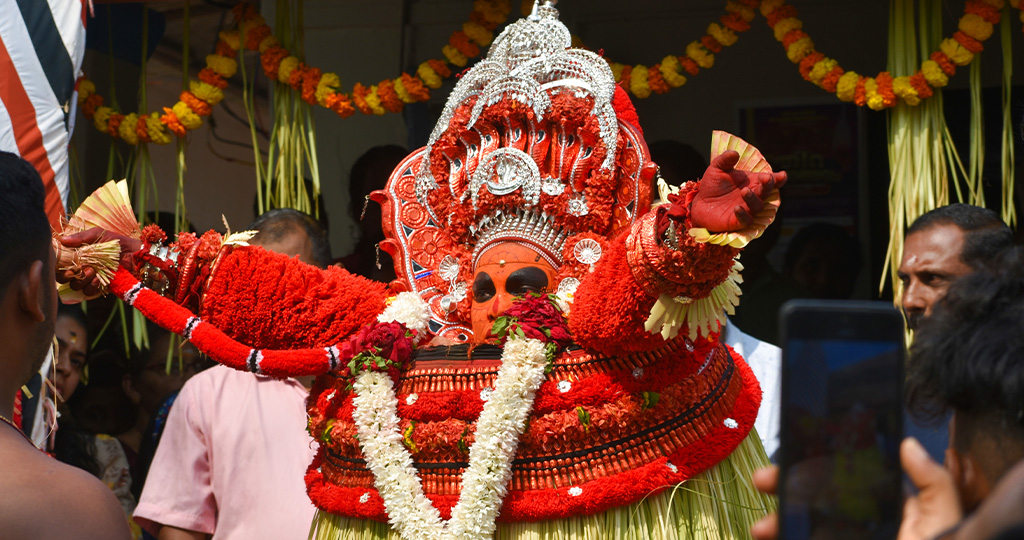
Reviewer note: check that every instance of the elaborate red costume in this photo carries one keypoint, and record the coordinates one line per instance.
(537, 162)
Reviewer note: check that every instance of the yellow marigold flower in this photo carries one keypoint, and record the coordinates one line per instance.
(901, 87)
(267, 43)
(329, 82)
(185, 115)
(86, 88)
(403, 94)
(288, 65)
(975, 26)
(617, 70)
(799, 49)
(743, 11)
(248, 25)
(768, 6)
(670, 71)
(454, 56)
(721, 34)
(373, 100)
(956, 52)
(231, 38)
(101, 118)
(820, 70)
(126, 129)
(206, 92)
(934, 74)
(428, 76)
(847, 86)
(874, 100)
(222, 65)
(638, 82)
(156, 129)
(480, 35)
(786, 26)
(699, 54)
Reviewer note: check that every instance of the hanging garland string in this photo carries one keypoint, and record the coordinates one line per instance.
(671, 72)
(315, 87)
(883, 90)
(390, 95)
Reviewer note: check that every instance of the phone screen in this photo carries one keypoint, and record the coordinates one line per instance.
(841, 423)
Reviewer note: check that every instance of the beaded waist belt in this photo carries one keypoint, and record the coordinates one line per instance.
(604, 431)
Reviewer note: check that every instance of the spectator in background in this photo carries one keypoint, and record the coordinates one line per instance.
(233, 458)
(99, 454)
(942, 246)
(968, 358)
(43, 497)
(824, 260)
(369, 173)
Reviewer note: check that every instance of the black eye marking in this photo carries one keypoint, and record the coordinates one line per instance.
(526, 280)
(483, 287)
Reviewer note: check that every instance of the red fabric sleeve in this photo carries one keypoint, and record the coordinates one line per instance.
(269, 301)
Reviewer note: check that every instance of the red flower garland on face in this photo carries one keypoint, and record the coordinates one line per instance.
(385, 347)
(535, 316)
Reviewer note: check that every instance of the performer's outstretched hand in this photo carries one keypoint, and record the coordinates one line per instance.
(86, 280)
(728, 199)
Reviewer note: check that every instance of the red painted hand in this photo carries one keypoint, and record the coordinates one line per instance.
(86, 280)
(728, 199)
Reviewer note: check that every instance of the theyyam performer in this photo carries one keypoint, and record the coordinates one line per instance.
(547, 362)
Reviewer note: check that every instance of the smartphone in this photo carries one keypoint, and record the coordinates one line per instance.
(841, 420)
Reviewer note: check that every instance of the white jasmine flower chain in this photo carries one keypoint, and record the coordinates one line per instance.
(484, 484)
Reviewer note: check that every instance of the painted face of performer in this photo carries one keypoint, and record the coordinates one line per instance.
(504, 272)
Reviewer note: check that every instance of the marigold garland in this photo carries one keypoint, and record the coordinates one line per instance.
(315, 87)
(883, 90)
(671, 72)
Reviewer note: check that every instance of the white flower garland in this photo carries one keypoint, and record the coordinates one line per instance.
(484, 484)
(409, 309)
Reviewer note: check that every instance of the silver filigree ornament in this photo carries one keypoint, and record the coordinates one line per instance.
(587, 251)
(567, 287)
(552, 186)
(528, 62)
(448, 269)
(504, 171)
(578, 206)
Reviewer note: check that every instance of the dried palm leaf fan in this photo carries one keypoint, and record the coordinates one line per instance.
(108, 208)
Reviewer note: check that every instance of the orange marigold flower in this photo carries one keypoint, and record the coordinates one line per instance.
(831, 81)
(920, 84)
(807, 64)
(627, 75)
(310, 81)
(944, 63)
(983, 10)
(460, 41)
(415, 87)
(170, 120)
(711, 44)
(340, 104)
(359, 93)
(783, 12)
(968, 42)
(885, 90)
(440, 67)
(255, 36)
(388, 98)
(225, 50)
(271, 61)
(113, 123)
(793, 37)
(860, 93)
(295, 77)
(140, 130)
(197, 105)
(689, 65)
(92, 102)
(734, 22)
(656, 81)
(211, 78)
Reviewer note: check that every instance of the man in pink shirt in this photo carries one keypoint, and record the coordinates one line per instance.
(231, 462)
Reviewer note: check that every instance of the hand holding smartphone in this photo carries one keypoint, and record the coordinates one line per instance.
(841, 422)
